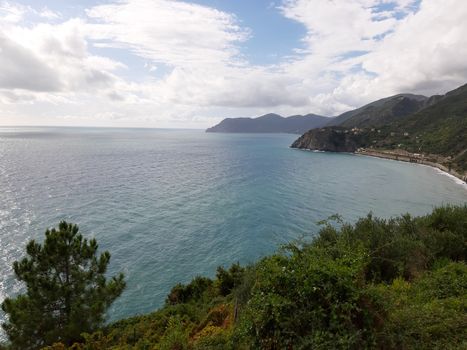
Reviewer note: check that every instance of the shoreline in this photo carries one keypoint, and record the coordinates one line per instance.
(458, 178)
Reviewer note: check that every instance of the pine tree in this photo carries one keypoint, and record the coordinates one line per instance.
(66, 290)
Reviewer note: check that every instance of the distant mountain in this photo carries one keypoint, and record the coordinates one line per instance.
(271, 123)
(381, 112)
(436, 129)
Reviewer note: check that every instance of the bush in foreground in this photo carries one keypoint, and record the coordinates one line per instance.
(377, 284)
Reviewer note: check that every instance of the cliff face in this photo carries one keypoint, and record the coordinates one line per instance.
(328, 139)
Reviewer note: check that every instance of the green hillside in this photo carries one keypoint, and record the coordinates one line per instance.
(376, 284)
(381, 112)
(438, 131)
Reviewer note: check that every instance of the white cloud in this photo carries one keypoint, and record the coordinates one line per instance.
(337, 27)
(23, 69)
(10, 12)
(52, 58)
(423, 52)
(171, 32)
(428, 52)
(64, 70)
(48, 14)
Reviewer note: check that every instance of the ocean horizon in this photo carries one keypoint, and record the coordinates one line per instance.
(171, 204)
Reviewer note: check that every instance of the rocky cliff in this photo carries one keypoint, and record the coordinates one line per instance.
(330, 139)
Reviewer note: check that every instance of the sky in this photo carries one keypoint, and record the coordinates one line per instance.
(189, 64)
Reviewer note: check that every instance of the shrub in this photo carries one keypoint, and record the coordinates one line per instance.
(227, 280)
(192, 291)
(309, 299)
(426, 314)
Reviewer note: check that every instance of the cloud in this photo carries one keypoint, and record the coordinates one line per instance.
(23, 69)
(337, 27)
(175, 33)
(403, 46)
(54, 59)
(48, 14)
(427, 53)
(191, 63)
(11, 13)
(199, 44)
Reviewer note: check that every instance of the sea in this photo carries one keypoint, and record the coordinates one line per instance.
(173, 204)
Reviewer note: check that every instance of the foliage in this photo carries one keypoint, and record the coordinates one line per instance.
(377, 284)
(403, 246)
(429, 313)
(175, 337)
(66, 290)
(309, 299)
(229, 279)
(192, 291)
(321, 294)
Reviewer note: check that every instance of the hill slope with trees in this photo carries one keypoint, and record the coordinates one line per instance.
(437, 132)
(382, 111)
(376, 284)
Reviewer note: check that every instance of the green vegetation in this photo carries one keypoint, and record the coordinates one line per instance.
(436, 128)
(66, 291)
(377, 284)
(381, 112)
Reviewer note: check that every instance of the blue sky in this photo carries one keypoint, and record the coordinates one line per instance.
(272, 35)
(168, 63)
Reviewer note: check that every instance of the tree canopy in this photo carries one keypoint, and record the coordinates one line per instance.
(67, 292)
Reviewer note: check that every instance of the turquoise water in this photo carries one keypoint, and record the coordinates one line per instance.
(170, 204)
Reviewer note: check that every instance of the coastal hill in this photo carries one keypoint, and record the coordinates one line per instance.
(373, 114)
(381, 112)
(436, 132)
(271, 123)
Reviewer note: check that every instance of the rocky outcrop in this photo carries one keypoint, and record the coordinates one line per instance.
(330, 139)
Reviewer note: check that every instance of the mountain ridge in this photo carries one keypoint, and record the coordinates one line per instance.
(270, 123)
